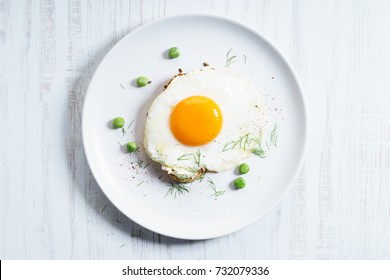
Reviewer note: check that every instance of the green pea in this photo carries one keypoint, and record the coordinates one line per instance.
(174, 52)
(143, 81)
(239, 183)
(244, 168)
(118, 122)
(131, 147)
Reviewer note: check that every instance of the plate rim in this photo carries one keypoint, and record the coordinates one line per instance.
(304, 123)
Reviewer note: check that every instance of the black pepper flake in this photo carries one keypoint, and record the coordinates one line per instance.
(149, 82)
(205, 64)
(180, 70)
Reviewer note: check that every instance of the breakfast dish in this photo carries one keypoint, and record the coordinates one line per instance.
(194, 138)
(206, 120)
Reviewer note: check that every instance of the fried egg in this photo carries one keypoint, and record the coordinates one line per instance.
(206, 120)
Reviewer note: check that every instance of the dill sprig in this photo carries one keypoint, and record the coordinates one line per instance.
(244, 58)
(216, 192)
(184, 157)
(259, 151)
(233, 144)
(246, 142)
(197, 157)
(227, 146)
(229, 58)
(130, 124)
(273, 138)
(123, 131)
(140, 183)
(177, 189)
(140, 162)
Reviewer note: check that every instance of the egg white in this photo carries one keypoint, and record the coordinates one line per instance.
(244, 120)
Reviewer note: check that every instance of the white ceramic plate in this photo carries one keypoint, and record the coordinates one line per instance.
(140, 191)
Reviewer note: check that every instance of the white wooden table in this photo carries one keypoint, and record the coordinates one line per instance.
(50, 205)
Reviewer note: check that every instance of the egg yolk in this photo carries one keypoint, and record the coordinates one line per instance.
(196, 120)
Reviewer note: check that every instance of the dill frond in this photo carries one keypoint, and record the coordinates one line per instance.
(197, 157)
(140, 183)
(229, 59)
(130, 124)
(213, 187)
(227, 146)
(177, 189)
(273, 138)
(259, 152)
(184, 157)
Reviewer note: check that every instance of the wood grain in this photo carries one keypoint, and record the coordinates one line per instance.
(50, 205)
